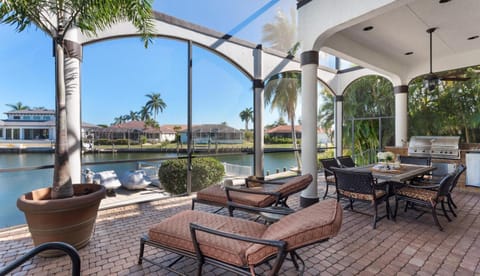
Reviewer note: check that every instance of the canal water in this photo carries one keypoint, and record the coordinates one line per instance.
(14, 184)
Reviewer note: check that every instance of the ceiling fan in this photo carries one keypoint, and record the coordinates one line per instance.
(431, 80)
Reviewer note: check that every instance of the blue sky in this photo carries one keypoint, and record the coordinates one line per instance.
(117, 74)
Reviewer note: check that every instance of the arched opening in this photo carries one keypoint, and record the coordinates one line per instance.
(368, 117)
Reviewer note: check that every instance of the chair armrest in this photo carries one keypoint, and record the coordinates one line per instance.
(253, 209)
(263, 181)
(433, 186)
(281, 245)
(249, 191)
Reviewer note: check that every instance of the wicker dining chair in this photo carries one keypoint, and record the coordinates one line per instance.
(361, 186)
(346, 161)
(328, 165)
(426, 198)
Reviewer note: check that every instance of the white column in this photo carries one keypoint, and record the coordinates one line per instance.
(401, 115)
(338, 115)
(258, 100)
(309, 60)
(73, 105)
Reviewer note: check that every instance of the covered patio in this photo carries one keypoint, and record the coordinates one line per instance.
(411, 245)
(408, 246)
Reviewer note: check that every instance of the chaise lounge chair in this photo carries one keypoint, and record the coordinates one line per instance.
(240, 245)
(255, 193)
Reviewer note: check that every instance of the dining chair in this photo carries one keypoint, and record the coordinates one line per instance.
(361, 186)
(328, 165)
(434, 183)
(426, 198)
(346, 161)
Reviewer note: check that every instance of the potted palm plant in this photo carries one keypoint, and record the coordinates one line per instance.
(66, 211)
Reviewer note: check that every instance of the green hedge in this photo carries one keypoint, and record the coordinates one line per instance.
(205, 172)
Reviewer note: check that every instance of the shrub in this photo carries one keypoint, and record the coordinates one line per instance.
(205, 172)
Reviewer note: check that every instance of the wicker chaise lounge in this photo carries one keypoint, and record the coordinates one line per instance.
(255, 193)
(240, 245)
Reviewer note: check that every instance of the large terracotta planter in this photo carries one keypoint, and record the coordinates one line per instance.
(69, 220)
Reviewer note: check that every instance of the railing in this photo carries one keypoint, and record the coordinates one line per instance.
(237, 170)
(70, 250)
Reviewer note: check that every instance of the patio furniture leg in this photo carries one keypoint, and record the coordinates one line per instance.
(387, 206)
(396, 208)
(142, 248)
(445, 211)
(326, 190)
(375, 216)
(435, 218)
(449, 202)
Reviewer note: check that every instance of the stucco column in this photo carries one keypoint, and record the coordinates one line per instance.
(401, 115)
(258, 102)
(309, 63)
(73, 57)
(338, 133)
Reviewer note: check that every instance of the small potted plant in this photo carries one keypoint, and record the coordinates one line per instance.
(67, 212)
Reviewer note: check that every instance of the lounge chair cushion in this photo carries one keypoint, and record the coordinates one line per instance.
(174, 232)
(312, 224)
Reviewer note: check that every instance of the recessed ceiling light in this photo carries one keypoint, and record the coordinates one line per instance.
(444, 1)
(473, 37)
(368, 28)
(408, 53)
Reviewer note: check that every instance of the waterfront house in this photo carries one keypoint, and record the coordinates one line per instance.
(133, 130)
(214, 134)
(32, 125)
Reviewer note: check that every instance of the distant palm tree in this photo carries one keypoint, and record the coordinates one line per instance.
(144, 114)
(155, 104)
(133, 116)
(18, 106)
(246, 115)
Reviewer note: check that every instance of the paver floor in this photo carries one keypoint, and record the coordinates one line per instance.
(408, 246)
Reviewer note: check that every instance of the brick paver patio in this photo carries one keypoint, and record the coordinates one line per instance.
(408, 246)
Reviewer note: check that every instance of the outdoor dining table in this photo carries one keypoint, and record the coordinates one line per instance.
(402, 174)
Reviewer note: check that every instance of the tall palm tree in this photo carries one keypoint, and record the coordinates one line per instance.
(155, 104)
(282, 92)
(18, 106)
(246, 115)
(56, 18)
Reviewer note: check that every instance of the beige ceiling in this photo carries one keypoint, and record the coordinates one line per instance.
(403, 30)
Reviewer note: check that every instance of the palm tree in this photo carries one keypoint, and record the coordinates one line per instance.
(132, 116)
(282, 92)
(155, 104)
(56, 18)
(144, 113)
(18, 106)
(246, 115)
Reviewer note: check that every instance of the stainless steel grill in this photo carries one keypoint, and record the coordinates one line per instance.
(444, 147)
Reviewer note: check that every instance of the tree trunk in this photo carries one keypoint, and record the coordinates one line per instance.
(62, 182)
(294, 143)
